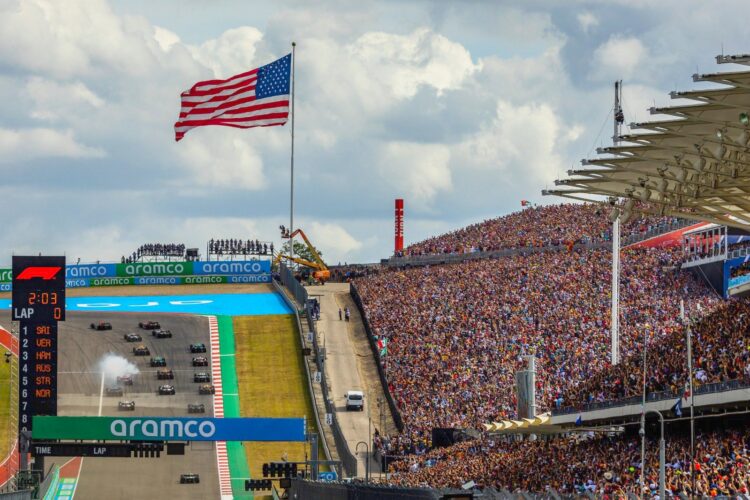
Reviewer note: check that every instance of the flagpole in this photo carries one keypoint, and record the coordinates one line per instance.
(291, 184)
(689, 333)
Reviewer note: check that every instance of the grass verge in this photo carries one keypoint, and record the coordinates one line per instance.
(272, 383)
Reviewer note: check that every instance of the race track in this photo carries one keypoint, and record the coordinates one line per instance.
(81, 348)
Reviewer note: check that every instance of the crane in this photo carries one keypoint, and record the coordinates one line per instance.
(320, 270)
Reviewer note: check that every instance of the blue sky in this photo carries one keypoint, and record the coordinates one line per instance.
(461, 108)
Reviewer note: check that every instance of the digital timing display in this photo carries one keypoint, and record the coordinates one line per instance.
(38, 304)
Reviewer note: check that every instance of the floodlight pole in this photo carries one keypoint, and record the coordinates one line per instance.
(689, 334)
(615, 321)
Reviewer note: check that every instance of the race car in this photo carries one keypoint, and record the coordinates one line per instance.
(189, 478)
(141, 350)
(165, 374)
(125, 379)
(113, 391)
(200, 361)
(162, 334)
(132, 337)
(206, 389)
(158, 361)
(197, 408)
(126, 406)
(166, 390)
(102, 325)
(201, 377)
(201, 347)
(149, 325)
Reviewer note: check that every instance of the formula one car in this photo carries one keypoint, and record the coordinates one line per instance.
(125, 379)
(194, 348)
(158, 361)
(162, 334)
(126, 406)
(141, 350)
(132, 337)
(166, 390)
(149, 325)
(113, 391)
(189, 479)
(197, 408)
(201, 377)
(165, 374)
(200, 361)
(102, 325)
(206, 389)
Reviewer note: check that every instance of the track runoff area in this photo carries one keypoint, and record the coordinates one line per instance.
(93, 406)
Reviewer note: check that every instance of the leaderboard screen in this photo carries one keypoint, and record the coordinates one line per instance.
(38, 304)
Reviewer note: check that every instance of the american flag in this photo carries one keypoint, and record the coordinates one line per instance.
(257, 98)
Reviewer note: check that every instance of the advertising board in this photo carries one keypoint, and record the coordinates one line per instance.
(166, 429)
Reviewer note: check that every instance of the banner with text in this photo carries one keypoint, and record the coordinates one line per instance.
(170, 429)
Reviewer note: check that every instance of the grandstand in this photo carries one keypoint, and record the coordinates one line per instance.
(459, 311)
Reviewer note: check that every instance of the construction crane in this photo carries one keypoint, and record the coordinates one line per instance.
(320, 270)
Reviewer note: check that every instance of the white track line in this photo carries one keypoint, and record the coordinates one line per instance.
(222, 458)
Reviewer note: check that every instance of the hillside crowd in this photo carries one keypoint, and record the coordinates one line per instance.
(550, 225)
(456, 332)
(606, 467)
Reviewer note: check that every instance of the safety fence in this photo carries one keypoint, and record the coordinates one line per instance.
(712, 388)
(348, 460)
(18, 495)
(376, 352)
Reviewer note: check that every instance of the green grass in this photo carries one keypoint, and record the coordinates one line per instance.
(272, 383)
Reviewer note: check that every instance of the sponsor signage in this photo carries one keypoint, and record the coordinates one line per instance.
(224, 267)
(170, 429)
(78, 275)
(77, 271)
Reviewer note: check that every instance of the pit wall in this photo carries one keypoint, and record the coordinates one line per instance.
(159, 273)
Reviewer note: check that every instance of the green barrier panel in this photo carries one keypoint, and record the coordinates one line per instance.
(238, 467)
(155, 269)
(111, 281)
(204, 280)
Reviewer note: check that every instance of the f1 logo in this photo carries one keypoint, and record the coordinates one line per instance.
(44, 272)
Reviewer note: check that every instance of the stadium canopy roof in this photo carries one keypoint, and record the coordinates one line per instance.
(692, 163)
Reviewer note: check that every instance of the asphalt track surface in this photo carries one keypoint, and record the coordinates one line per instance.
(81, 348)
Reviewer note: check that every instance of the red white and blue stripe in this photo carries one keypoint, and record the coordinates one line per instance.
(257, 98)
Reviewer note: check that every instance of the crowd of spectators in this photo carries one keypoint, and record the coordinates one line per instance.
(603, 466)
(721, 353)
(550, 225)
(239, 247)
(347, 272)
(456, 332)
(159, 250)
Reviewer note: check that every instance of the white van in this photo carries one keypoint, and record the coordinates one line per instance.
(355, 400)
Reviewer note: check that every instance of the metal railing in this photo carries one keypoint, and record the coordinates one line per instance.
(712, 388)
(295, 288)
(376, 353)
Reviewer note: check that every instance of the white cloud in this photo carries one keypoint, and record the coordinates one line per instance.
(619, 57)
(523, 138)
(221, 159)
(165, 38)
(404, 62)
(587, 20)
(27, 144)
(54, 100)
(333, 240)
(231, 53)
(419, 170)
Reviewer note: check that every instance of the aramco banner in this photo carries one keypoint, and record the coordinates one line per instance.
(169, 429)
